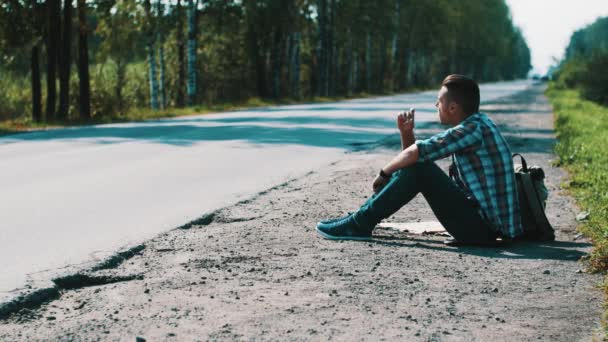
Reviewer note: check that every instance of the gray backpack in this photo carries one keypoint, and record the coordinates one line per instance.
(532, 194)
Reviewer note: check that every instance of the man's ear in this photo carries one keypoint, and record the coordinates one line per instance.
(453, 108)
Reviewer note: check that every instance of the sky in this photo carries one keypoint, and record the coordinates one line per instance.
(548, 24)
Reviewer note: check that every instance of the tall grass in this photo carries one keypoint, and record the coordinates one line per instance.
(582, 128)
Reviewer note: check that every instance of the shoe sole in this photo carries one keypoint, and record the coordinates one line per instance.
(333, 237)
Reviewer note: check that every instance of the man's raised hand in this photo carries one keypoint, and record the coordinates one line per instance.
(405, 121)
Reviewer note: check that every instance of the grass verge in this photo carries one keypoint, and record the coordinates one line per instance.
(582, 133)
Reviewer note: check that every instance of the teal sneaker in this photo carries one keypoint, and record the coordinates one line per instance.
(335, 219)
(343, 229)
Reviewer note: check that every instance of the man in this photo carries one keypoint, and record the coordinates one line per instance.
(476, 205)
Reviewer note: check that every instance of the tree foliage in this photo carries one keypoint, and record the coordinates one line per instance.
(585, 63)
(230, 50)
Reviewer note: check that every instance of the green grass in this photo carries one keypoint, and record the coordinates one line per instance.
(582, 132)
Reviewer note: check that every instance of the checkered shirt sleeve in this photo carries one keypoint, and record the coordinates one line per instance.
(466, 136)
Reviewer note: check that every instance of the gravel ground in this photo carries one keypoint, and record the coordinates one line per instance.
(258, 271)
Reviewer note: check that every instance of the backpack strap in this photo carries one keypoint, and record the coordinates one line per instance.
(535, 206)
(524, 165)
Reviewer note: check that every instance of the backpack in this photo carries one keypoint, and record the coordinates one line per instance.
(532, 194)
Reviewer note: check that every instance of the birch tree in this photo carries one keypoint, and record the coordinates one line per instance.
(192, 30)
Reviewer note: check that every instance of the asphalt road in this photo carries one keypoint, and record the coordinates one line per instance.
(72, 196)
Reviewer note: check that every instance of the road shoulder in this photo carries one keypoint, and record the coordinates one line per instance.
(258, 270)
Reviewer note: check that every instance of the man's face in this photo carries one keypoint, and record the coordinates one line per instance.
(443, 105)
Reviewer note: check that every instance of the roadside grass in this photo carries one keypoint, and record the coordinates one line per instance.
(582, 133)
(25, 123)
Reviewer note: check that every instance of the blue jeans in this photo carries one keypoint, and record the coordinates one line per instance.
(456, 211)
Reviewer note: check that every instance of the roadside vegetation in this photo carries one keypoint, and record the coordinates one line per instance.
(579, 94)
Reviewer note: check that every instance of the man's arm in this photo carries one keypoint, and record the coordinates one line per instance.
(407, 139)
(405, 158)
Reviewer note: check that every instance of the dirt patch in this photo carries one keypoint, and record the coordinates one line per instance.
(258, 271)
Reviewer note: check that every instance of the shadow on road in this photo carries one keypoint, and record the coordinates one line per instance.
(555, 250)
(351, 133)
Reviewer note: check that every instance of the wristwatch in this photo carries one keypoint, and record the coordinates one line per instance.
(383, 174)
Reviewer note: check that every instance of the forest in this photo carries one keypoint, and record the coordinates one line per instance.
(584, 59)
(65, 61)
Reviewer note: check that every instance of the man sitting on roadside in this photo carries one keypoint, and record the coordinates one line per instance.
(476, 205)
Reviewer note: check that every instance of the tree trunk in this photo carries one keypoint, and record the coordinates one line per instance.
(83, 63)
(395, 48)
(275, 58)
(382, 73)
(54, 10)
(121, 70)
(35, 68)
(349, 63)
(369, 63)
(65, 62)
(181, 57)
(331, 51)
(295, 65)
(151, 58)
(191, 85)
(161, 81)
(36, 91)
(322, 69)
(152, 75)
(161, 56)
(355, 71)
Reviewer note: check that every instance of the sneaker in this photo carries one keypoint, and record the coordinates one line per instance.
(335, 219)
(343, 229)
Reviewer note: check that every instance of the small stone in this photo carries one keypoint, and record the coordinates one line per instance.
(582, 216)
(495, 289)
(547, 272)
(286, 293)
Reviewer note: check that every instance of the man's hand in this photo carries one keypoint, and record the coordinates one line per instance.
(379, 183)
(405, 124)
(405, 121)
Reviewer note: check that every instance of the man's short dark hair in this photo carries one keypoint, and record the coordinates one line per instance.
(463, 91)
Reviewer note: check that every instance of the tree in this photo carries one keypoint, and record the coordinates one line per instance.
(192, 36)
(120, 42)
(83, 63)
(150, 39)
(65, 62)
(181, 59)
(53, 8)
(161, 54)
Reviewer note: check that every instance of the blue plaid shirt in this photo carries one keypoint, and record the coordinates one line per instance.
(485, 169)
